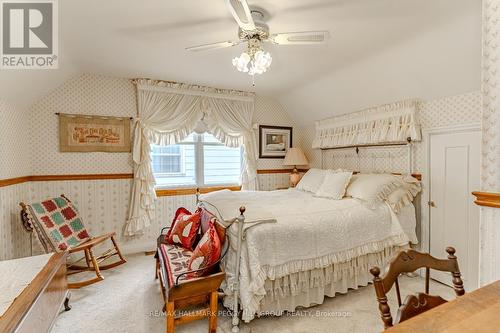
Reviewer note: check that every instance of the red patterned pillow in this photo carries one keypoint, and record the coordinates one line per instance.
(207, 218)
(207, 251)
(184, 229)
(177, 212)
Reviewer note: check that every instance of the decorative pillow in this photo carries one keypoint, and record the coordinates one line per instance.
(60, 221)
(206, 218)
(404, 195)
(163, 239)
(206, 253)
(184, 229)
(334, 185)
(312, 180)
(372, 188)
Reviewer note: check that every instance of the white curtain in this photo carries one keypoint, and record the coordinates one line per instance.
(230, 121)
(168, 113)
(382, 124)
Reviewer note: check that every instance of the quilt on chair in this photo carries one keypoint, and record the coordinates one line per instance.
(58, 223)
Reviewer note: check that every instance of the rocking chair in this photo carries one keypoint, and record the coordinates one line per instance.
(59, 228)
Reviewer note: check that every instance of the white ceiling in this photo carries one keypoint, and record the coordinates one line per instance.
(380, 50)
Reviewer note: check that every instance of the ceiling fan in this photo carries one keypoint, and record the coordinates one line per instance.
(254, 31)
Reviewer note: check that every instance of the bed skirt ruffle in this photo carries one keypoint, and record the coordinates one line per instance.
(308, 288)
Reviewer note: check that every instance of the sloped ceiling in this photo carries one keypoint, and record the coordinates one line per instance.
(380, 50)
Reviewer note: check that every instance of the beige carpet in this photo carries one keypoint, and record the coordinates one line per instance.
(129, 300)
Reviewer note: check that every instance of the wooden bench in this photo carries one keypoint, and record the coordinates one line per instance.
(182, 288)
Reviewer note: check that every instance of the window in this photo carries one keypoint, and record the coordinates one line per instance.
(199, 160)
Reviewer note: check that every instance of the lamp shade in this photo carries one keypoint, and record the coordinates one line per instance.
(295, 156)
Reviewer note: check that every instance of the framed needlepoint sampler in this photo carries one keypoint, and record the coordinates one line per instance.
(82, 133)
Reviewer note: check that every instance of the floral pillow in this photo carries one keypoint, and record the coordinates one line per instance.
(184, 229)
(207, 252)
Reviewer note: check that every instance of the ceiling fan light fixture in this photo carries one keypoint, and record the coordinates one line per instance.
(241, 62)
(255, 61)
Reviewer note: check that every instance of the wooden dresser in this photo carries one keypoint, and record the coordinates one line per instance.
(38, 305)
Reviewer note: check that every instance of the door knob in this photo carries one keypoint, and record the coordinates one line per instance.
(432, 204)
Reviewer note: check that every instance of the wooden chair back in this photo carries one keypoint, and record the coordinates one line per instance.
(408, 261)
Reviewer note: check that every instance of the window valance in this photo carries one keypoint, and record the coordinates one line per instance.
(388, 123)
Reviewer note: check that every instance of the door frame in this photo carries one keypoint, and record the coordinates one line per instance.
(427, 133)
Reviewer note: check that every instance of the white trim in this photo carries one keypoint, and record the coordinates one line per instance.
(425, 209)
(183, 91)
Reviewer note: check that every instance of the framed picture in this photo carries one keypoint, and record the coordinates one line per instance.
(274, 141)
(80, 133)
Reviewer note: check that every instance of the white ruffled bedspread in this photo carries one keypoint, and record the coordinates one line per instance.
(302, 233)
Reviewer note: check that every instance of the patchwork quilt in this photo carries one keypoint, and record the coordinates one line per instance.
(58, 223)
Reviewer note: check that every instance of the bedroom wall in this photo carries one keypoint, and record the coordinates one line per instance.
(103, 203)
(14, 162)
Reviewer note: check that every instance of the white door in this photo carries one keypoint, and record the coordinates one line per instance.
(454, 218)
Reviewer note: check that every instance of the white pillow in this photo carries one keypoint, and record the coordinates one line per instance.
(312, 180)
(334, 185)
(404, 195)
(372, 188)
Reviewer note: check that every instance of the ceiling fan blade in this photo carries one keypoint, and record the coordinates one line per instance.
(212, 46)
(303, 37)
(241, 13)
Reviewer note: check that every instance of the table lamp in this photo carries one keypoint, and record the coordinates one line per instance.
(294, 157)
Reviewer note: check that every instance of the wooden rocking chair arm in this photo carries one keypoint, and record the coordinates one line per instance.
(91, 242)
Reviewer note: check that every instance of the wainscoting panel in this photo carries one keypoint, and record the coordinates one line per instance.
(273, 181)
(14, 241)
(104, 206)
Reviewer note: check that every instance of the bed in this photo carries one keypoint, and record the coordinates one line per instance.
(297, 248)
